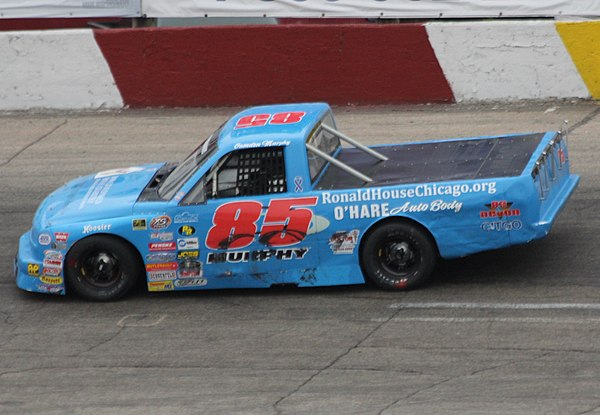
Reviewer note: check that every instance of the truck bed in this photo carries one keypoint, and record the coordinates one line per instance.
(468, 159)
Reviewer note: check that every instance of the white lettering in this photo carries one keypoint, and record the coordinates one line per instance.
(96, 228)
(421, 190)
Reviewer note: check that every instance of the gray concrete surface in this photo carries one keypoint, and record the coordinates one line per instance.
(511, 331)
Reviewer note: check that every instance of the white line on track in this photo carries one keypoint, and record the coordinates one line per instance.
(499, 306)
(520, 320)
(141, 320)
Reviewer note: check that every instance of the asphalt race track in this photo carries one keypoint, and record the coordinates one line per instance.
(513, 331)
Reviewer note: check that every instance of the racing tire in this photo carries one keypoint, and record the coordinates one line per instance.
(102, 268)
(398, 256)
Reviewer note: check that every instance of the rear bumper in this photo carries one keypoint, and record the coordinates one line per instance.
(34, 283)
(554, 206)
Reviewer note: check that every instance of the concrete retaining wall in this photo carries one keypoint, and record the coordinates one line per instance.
(60, 69)
(340, 64)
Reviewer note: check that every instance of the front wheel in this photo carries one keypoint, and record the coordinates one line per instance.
(102, 268)
(398, 256)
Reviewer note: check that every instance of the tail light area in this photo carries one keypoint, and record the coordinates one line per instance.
(552, 164)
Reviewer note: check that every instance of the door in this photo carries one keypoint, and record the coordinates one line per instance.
(251, 231)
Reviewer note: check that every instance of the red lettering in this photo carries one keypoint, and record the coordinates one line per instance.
(286, 223)
(256, 120)
(287, 117)
(234, 225)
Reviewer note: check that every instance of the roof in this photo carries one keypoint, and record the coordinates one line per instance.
(251, 127)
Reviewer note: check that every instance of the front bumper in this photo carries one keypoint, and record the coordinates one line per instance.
(27, 256)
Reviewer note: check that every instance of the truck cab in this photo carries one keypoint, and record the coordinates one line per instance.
(248, 194)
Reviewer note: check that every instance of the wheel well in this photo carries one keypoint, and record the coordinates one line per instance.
(139, 258)
(397, 219)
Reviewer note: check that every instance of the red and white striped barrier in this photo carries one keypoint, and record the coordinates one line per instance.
(340, 64)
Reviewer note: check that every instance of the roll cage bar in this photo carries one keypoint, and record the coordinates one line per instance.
(341, 165)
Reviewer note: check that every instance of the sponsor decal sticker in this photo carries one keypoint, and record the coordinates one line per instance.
(155, 286)
(139, 224)
(186, 230)
(52, 259)
(44, 239)
(298, 184)
(162, 246)
(196, 282)
(52, 263)
(161, 275)
(434, 206)
(561, 156)
(504, 212)
(162, 236)
(286, 222)
(499, 226)
(421, 190)
(161, 257)
(117, 172)
(53, 272)
(160, 222)
(260, 120)
(165, 266)
(50, 280)
(382, 210)
(61, 237)
(33, 270)
(97, 191)
(51, 289)
(61, 246)
(49, 254)
(96, 228)
(187, 243)
(343, 242)
(189, 269)
(499, 209)
(375, 210)
(188, 254)
(186, 217)
(234, 257)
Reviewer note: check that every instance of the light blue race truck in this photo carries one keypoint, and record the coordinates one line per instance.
(277, 195)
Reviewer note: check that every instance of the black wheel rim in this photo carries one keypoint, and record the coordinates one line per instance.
(99, 268)
(399, 257)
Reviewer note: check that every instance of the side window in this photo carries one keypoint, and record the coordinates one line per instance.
(324, 141)
(250, 172)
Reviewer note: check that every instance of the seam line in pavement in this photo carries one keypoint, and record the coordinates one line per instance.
(585, 120)
(18, 153)
(332, 363)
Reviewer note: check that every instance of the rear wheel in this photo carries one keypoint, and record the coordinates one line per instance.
(102, 268)
(398, 256)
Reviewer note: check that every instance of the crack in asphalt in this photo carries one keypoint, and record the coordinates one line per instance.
(585, 120)
(333, 362)
(472, 373)
(102, 343)
(410, 395)
(11, 327)
(589, 411)
(39, 139)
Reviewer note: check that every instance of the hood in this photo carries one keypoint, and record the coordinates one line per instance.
(107, 194)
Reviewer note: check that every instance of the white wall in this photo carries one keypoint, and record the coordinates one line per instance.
(507, 60)
(61, 69)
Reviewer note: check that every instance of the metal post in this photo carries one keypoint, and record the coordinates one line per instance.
(339, 164)
(354, 143)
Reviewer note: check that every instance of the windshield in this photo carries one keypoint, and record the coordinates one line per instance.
(188, 167)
